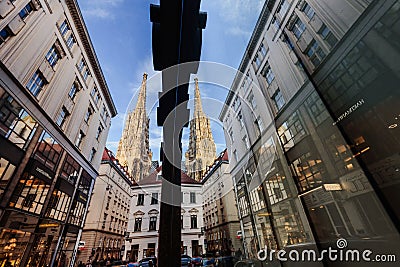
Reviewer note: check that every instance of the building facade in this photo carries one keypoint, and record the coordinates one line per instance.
(133, 148)
(144, 217)
(221, 221)
(55, 113)
(321, 163)
(103, 237)
(201, 150)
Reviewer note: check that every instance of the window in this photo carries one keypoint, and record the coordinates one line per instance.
(76, 214)
(251, 99)
(235, 155)
(6, 171)
(30, 194)
(26, 11)
(48, 151)
(79, 139)
(16, 124)
(268, 74)
(36, 83)
(240, 118)
(85, 182)
(93, 92)
(140, 201)
(81, 65)
(92, 154)
(192, 197)
(62, 116)
(154, 198)
(99, 131)
(308, 11)
(283, 8)
(104, 221)
(315, 53)
(246, 141)
(308, 171)
(86, 74)
(291, 131)
(58, 205)
(70, 169)
(70, 41)
(260, 123)
(328, 36)
(193, 221)
(298, 28)
(64, 28)
(88, 114)
(73, 91)
(230, 132)
(4, 34)
(52, 56)
(278, 99)
(153, 223)
(236, 103)
(138, 225)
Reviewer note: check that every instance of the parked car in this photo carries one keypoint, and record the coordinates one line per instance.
(133, 264)
(118, 264)
(145, 262)
(208, 260)
(225, 261)
(186, 260)
(197, 261)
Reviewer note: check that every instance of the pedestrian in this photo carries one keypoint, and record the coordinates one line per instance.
(238, 254)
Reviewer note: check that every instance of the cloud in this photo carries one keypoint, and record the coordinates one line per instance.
(97, 12)
(101, 9)
(238, 14)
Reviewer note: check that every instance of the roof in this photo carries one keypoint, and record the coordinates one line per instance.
(222, 158)
(108, 156)
(152, 178)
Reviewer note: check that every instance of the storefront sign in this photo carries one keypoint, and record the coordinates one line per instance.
(333, 187)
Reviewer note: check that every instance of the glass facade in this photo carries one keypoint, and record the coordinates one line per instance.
(329, 168)
(44, 189)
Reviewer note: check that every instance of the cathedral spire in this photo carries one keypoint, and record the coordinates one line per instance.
(133, 147)
(201, 151)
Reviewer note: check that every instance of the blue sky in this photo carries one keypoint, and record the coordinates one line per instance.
(120, 31)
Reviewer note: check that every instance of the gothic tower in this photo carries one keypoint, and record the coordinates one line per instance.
(201, 151)
(133, 148)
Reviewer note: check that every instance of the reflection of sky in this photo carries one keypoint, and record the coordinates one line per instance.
(121, 34)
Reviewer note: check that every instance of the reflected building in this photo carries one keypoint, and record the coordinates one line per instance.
(221, 222)
(322, 163)
(133, 147)
(144, 217)
(201, 149)
(55, 113)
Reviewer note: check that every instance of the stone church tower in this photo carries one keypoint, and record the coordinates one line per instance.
(133, 148)
(201, 151)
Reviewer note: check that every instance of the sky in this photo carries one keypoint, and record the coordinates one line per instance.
(120, 31)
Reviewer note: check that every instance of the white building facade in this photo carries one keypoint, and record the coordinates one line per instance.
(144, 218)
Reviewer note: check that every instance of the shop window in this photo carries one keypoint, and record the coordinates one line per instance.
(76, 214)
(30, 194)
(291, 131)
(16, 124)
(48, 151)
(308, 171)
(6, 171)
(58, 205)
(85, 183)
(70, 169)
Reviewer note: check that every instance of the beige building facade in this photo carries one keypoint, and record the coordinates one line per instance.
(201, 150)
(103, 237)
(56, 112)
(221, 221)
